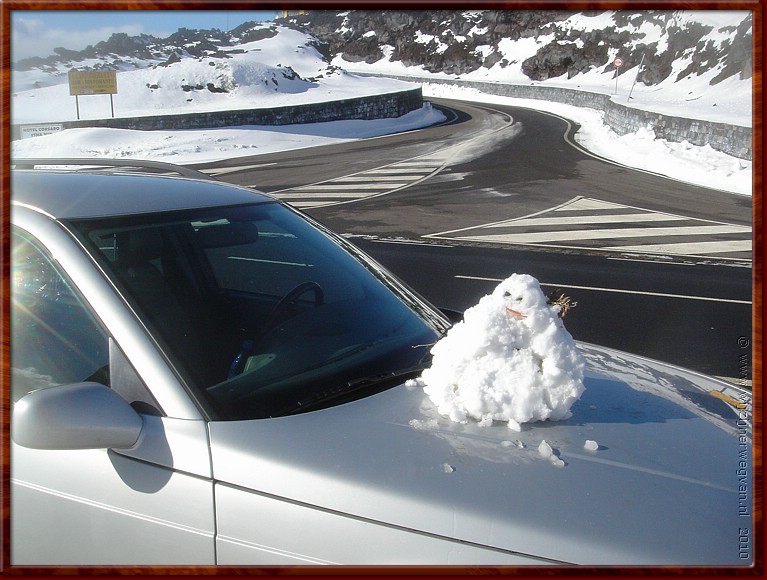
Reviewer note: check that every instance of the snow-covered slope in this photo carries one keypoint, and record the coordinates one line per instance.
(234, 76)
(685, 63)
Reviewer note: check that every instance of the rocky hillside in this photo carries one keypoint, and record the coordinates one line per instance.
(529, 45)
(674, 45)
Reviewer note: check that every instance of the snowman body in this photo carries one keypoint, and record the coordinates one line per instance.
(510, 359)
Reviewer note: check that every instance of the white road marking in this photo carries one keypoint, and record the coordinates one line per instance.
(604, 234)
(696, 248)
(375, 176)
(325, 195)
(223, 170)
(586, 203)
(354, 187)
(341, 186)
(553, 227)
(588, 219)
(308, 204)
(374, 182)
(616, 290)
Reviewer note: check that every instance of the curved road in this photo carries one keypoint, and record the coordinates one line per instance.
(481, 194)
(489, 164)
(281, 171)
(526, 168)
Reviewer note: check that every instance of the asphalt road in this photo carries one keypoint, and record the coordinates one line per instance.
(479, 194)
(506, 170)
(695, 316)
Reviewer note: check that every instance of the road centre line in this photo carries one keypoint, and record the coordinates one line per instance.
(320, 195)
(222, 170)
(409, 169)
(431, 160)
(404, 178)
(347, 186)
(616, 290)
(310, 204)
(588, 219)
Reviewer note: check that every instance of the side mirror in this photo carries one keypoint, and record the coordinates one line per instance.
(75, 416)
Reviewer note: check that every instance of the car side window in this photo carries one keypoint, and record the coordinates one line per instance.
(55, 338)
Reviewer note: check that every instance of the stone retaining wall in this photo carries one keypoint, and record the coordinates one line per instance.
(731, 139)
(384, 106)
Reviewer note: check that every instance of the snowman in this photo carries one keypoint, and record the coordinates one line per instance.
(510, 359)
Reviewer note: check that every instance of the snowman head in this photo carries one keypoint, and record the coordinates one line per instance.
(520, 295)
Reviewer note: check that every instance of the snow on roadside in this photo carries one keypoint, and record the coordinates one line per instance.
(640, 150)
(208, 145)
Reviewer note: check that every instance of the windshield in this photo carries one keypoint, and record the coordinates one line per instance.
(259, 310)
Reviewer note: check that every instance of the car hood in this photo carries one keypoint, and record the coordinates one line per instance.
(668, 482)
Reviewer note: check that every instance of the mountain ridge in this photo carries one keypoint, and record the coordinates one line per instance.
(461, 42)
(690, 64)
(362, 34)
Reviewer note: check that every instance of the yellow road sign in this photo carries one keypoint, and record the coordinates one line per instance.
(98, 82)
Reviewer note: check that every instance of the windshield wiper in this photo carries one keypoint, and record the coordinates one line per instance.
(353, 389)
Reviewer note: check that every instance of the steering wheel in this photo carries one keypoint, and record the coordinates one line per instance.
(290, 299)
(275, 316)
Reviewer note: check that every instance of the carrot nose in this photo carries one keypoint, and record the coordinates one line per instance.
(515, 313)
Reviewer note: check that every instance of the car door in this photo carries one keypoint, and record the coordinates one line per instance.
(150, 504)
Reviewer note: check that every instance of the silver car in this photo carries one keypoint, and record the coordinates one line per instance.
(202, 375)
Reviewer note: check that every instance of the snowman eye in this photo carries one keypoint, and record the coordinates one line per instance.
(506, 294)
(518, 299)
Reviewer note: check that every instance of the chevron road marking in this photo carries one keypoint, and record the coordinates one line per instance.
(388, 178)
(572, 235)
(366, 184)
(594, 219)
(587, 223)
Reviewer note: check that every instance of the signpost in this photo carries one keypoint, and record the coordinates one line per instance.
(98, 82)
(639, 68)
(617, 63)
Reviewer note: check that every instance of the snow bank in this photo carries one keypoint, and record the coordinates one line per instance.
(251, 76)
(210, 145)
(511, 359)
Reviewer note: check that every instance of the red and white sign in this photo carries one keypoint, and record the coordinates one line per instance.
(618, 62)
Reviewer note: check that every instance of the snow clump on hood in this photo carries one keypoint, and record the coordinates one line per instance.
(510, 359)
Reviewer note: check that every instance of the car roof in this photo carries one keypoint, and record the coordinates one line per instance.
(68, 194)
